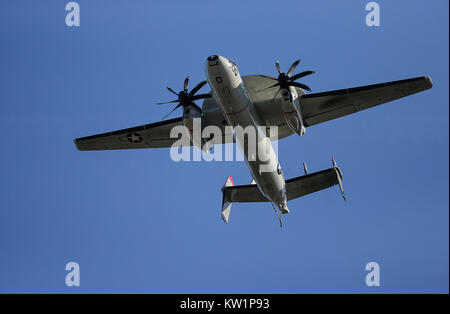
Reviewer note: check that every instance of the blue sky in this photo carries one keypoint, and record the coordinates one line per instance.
(135, 221)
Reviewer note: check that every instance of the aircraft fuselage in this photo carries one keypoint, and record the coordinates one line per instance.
(231, 95)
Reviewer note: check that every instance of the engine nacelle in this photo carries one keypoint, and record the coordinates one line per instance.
(192, 121)
(290, 103)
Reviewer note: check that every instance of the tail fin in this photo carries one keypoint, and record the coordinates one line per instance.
(339, 177)
(226, 202)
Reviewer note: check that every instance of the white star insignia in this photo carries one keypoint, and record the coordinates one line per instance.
(134, 138)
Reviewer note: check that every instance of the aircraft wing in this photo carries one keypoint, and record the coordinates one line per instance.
(321, 107)
(145, 136)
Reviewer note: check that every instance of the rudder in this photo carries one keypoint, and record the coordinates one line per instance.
(226, 202)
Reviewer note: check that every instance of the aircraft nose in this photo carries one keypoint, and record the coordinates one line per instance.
(215, 65)
(213, 58)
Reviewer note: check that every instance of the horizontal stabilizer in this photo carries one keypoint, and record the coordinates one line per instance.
(314, 182)
(295, 187)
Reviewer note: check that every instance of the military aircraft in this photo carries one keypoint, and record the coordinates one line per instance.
(262, 102)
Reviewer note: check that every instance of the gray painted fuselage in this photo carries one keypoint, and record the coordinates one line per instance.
(238, 110)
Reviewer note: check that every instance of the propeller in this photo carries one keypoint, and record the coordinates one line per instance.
(285, 80)
(186, 98)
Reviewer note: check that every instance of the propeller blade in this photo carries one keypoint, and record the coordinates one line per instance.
(197, 88)
(277, 64)
(277, 84)
(176, 107)
(269, 77)
(200, 96)
(196, 107)
(300, 75)
(293, 66)
(186, 83)
(167, 102)
(296, 84)
(171, 90)
(275, 95)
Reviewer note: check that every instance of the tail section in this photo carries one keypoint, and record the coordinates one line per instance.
(339, 177)
(295, 188)
(226, 201)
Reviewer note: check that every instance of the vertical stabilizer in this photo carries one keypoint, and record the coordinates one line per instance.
(226, 203)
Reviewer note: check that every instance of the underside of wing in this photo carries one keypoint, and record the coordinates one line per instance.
(156, 135)
(321, 107)
(152, 135)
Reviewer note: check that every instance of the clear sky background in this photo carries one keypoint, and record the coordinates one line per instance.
(136, 221)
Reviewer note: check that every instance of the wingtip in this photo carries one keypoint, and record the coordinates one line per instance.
(77, 144)
(429, 82)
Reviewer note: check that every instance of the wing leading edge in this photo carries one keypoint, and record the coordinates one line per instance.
(322, 107)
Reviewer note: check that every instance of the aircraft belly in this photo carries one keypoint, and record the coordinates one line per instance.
(232, 97)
